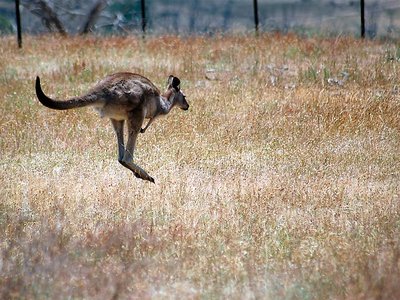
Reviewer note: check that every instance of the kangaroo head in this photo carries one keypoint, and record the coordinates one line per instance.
(178, 97)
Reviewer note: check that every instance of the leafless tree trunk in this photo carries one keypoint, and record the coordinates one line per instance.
(93, 15)
(50, 19)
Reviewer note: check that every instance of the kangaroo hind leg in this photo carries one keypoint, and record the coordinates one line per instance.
(135, 122)
(119, 131)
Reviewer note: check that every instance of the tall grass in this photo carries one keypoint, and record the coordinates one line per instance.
(281, 181)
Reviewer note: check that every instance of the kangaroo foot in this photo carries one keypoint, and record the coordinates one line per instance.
(143, 176)
(137, 171)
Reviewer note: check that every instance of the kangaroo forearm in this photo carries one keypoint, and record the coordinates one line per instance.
(143, 130)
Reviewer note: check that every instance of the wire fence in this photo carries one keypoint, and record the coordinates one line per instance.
(379, 18)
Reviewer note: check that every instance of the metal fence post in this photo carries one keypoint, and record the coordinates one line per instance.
(362, 7)
(143, 5)
(18, 17)
(256, 22)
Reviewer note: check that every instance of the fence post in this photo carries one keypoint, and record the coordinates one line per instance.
(143, 4)
(18, 17)
(256, 22)
(362, 7)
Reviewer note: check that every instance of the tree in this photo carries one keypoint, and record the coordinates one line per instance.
(50, 19)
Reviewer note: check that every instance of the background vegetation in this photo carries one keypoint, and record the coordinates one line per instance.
(280, 182)
(308, 17)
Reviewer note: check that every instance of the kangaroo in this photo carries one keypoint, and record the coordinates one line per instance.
(125, 97)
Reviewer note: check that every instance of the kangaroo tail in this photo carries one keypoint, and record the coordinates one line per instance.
(61, 105)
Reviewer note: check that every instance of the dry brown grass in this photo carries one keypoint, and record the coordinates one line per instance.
(276, 183)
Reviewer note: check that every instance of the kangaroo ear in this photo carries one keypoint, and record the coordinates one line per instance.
(176, 82)
(169, 81)
(173, 82)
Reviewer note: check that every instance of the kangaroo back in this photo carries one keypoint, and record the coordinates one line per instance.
(89, 99)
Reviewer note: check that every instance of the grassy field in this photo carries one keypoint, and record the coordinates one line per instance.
(280, 182)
